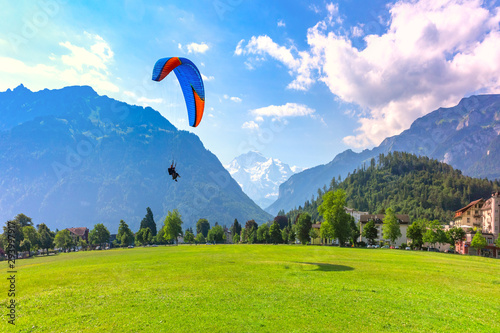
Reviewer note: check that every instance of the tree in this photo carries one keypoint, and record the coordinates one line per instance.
(235, 228)
(284, 235)
(313, 233)
(434, 233)
(99, 235)
(244, 236)
(263, 233)
(282, 221)
(251, 224)
(200, 239)
(455, 235)
(202, 226)
(125, 236)
(391, 229)
(370, 232)
(13, 230)
(252, 235)
(326, 230)
(46, 237)
(63, 239)
(275, 232)
(160, 236)
(149, 222)
(23, 220)
(415, 232)
(478, 242)
(144, 236)
(189, 237)
(497, 242)
(332, 209)
(173, 225)
(30, 233)
(354, 231)
(304, 225)
(292, 234)
(236, 238)
(216, 235)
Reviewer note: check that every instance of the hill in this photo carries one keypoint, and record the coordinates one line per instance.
(415, 185)
(72, 158)
(466, 136)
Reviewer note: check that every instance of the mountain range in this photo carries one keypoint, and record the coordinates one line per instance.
(72, 158)
(466, 136)
(259, 176)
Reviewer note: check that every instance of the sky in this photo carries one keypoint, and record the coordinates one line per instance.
(300, 81)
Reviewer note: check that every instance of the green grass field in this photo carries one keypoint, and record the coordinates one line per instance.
(256, 288)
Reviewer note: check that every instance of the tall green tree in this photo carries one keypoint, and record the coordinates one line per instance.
(23, 220)
(263, 233)
(326, 230)
(125, 236)
(188, 237)
(173, 225)
(63, 239)
(434, 233)
(30, 233)
(292, 234)
(99, 235)
(249, 225)
(390, 228)
(497, 242)
(416, 231)
(144, 237)
(370, 232)
(235, 228)
(478, 242)
(284, 235)
(354, 231)
(236, 238)
(332, 209)
(200, 239)
(304, 224)
(216, 235)
(275, 233)
(46, 237)
(149, 222)
(455, 235)
(252, 236)
(15, 230)
(202, 226)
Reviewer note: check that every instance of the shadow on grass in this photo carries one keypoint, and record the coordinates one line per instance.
(324, 267)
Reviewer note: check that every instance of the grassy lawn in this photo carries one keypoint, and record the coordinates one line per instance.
(256, 288)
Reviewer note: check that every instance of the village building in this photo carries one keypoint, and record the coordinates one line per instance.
(354, 213)
(82, 232)
(403, 220)
(479, 216)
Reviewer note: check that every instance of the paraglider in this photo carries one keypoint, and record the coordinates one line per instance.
(191, 83)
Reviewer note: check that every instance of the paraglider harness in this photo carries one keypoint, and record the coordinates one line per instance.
(172, 172)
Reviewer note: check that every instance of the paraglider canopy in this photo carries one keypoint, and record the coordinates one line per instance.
(191, 83)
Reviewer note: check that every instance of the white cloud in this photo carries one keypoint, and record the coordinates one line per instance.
(84, 64)
(143, 100)
(281, 24)
(207, 78)
(432, 54)
(251, 125)
(279, 111)
(194, 47)
(234, 99)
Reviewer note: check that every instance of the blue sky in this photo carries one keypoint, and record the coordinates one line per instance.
(297, 80)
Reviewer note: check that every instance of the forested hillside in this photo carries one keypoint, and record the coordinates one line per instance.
(418, 186)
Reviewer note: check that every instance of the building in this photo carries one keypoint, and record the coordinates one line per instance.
(491, 215)
(480, 215)
(354, 213)
(470, 216)
(404, 222)
(82, 232)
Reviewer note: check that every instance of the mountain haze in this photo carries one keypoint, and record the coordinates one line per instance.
(72, 158)
(466, 136)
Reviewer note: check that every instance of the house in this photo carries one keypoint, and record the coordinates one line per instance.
(470, 216)
(480, 215)
(354, 213)
(82, 232)
(403, 220)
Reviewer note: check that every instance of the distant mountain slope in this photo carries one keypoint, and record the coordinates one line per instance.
(72, 158)
(418, 186)
(259, 176)
(465, 136)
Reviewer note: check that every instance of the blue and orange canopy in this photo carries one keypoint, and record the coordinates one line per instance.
(191, 83)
